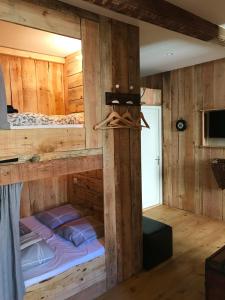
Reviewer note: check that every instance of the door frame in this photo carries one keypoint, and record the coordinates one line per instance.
(159, 108)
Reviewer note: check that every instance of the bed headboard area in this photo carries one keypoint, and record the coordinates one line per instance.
(40, 86)
(82, 189)
(33, 85)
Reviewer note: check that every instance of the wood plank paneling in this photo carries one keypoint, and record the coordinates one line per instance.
(48, 169)
(188, 180)
(33, 85)
(44, 18)
(5, 66)
(152, 82)
(29, 82)
(92, 88)
(164, 14)
(19, 142)
(71, 283)
(43, 194)
(151, 96)
(86, 190)
(135, 153)
(110, 186)
(15, 82)
(34, 55)
(56, 89)
(122, 194)
(73, 80)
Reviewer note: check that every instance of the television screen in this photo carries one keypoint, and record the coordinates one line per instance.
(215, 121)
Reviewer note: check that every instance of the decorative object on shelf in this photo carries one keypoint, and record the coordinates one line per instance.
(181, 125)
(218, 167)
(123, 99)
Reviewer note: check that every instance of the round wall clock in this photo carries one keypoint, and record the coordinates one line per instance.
(181, 125)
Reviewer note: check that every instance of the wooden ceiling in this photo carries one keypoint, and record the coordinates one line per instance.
(164, 14)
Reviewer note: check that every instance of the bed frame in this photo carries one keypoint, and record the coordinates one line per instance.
(44, 153)
(71, 282)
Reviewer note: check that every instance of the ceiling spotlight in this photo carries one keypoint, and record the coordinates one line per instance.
(170, 53)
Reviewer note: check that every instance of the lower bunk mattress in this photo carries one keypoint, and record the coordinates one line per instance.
(66, 254)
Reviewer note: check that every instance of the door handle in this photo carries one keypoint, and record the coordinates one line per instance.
(158, 160)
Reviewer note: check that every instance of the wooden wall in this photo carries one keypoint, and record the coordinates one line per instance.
(42, 194)
(84, 190)
(152, 82)
(188, 180)
(73, 76)
(110, 56)
(34, 85)
(151, 96)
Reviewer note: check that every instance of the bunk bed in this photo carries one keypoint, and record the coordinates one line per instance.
(34, 120)
(71, 270)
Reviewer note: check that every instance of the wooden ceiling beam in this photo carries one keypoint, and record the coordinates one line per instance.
(163, 14)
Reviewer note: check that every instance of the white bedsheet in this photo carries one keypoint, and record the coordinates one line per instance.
(67, 255)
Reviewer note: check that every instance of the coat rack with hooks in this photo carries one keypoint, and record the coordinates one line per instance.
(118, 98)
(123, 99)
(116, 121)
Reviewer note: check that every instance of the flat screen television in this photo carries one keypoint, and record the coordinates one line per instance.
(215, 124)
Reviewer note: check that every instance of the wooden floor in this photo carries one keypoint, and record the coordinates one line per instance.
(182, 277)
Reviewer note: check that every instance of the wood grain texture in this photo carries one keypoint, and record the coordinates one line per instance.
(92, 87)
(83, 190)
(152, 82)
(34, 55)
(188, 180)
(41, 17)
(110, 186)
(93, 292)
(43, 194)
(69, 283)
(33, 85)
(19, 142)
(164, 14)
(73, 80)
(48, 169)
(122, 194)
(151, 96)
(194, 239)
(86, 190)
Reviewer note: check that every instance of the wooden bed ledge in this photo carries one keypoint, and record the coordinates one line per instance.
(51, 164)
(69, 283)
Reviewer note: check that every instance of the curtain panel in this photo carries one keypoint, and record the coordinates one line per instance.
(11, 277)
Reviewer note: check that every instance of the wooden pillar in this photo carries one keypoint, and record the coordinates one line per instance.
(119, 52)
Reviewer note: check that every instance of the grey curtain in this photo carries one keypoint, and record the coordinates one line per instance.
(3, 104)
(11, 277)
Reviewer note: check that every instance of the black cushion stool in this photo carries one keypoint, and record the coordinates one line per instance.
(157, 242)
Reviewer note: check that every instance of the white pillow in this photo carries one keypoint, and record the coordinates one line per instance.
(35, 255)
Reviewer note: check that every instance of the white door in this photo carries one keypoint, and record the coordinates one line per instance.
(151, 156)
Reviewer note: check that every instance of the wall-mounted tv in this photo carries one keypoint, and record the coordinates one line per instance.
(214, 124)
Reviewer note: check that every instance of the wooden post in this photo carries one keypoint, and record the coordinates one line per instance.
(121, 155)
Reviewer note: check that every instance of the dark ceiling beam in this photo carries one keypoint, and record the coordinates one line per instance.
(164, 14)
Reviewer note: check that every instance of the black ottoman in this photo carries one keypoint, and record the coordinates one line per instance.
(157, 242)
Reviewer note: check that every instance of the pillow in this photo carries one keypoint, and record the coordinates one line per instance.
(23, 229)
(58, 216)
(29, 239)
(82, 230)
(35, 255)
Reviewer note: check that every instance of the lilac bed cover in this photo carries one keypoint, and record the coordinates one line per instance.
(66, 254)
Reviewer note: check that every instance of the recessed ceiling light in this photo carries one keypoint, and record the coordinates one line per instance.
(170, 53)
